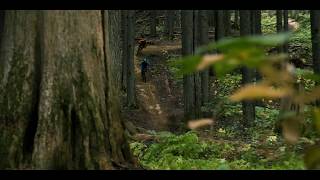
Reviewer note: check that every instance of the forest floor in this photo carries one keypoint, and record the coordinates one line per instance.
(159, 106)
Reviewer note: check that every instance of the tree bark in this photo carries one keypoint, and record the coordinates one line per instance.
(286, 29)
(236, 18)
(203, 30)
(227, 23)
(57, 103)
(220, 32)
(253, 21)
(131, 87)
(124, 38)
(112, 31)
(248, 107)
(187, 49)
(1, 23)
(197, 75)
(257, 30)
(279, 25)
(211, 17)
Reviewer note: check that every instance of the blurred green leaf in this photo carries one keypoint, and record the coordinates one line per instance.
(186, 65)
(230, 44)
(247, 51)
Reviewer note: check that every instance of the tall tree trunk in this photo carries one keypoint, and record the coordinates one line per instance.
(248, 107)
(203, 40)
(112, 51)
(252, 21)
(124, 38)
(211, 17)
(279, 26)
(286, 29)
(220, 32)
(197, 75)
(153, 23)
(177, 20)
(1, 23)
(257, 18)
(236, 18)
(113, 21)
(227, 22)
(169, 24)
(57, 103)
(131, 87)
(187, 49)
(257, 31)
(315, 37)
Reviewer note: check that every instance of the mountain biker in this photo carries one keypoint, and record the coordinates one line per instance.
(144, 68)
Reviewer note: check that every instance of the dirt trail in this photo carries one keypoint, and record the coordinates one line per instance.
(158, 99)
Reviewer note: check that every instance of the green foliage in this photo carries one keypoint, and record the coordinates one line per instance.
(268, 23)
(266, 117)
(307, 77)
(299, 42)
(186, 151)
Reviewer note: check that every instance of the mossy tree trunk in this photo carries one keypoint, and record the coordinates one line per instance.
(57, 93)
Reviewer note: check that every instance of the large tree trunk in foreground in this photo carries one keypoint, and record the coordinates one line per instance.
(112, 51)
(248, 107)
(57, 96)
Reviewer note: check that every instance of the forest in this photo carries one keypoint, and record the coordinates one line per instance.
(159, 89)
